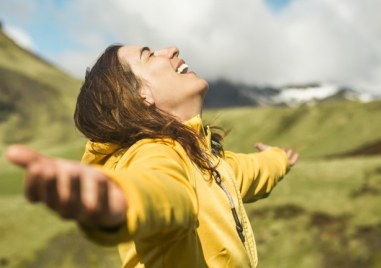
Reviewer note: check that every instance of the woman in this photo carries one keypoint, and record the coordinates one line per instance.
(154, 179)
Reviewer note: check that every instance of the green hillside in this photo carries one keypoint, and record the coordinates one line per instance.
(36, 98)
(13, 57)
(318, 131)
(324, 214)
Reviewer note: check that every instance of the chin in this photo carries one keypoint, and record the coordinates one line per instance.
(204, 86)
(198, 86)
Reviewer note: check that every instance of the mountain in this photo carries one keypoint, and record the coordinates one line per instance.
(296, 95)
(36, 98)
(223, 93)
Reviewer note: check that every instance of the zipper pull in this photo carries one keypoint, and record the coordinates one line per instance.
(217, 177)
(238, 225)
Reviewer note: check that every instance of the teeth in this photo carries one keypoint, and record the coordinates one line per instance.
(183, 68)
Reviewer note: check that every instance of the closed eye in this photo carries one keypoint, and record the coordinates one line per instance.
(142, 50)
(150, 55)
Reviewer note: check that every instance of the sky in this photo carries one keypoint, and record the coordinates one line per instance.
(257, 42)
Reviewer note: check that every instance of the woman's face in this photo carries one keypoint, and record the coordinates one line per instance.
(167, 84)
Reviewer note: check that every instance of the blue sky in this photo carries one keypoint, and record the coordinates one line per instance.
(273, 42)
(50, 34)
(278, 5)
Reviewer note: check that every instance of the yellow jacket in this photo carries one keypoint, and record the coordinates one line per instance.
(178, 216)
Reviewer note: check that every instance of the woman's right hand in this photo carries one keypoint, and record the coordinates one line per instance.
(75, 191)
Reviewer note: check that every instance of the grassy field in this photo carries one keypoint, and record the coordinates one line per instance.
(325, 213)
(314, 131)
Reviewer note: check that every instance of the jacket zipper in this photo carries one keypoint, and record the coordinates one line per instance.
(217, 178)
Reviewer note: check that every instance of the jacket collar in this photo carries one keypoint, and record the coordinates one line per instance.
(197, 125)
(98, 153)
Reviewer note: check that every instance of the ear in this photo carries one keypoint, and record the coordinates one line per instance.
(147, 95)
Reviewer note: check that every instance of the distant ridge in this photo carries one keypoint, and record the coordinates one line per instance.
(36, 98)
(223, 93)
(8, 41)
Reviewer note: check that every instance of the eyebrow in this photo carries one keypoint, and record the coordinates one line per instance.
(142, 51)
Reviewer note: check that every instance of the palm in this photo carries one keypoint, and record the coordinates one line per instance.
(74, 191)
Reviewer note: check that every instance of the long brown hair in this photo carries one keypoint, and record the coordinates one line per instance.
(110, 109)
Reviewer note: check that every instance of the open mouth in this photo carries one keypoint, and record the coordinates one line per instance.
(182, 68)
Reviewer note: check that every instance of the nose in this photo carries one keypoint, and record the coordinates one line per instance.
(169, 52)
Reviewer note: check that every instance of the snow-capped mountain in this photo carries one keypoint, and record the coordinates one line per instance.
(313, 94)
(224, 93)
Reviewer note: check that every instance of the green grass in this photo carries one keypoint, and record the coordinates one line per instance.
(315, 131)
(25, 228)
(11, 182)
(31, 236)
(324, 214)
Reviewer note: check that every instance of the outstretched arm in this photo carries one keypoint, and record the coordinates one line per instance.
(258, 173)
(74, 191)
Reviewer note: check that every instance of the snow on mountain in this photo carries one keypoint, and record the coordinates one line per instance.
(301, 95)
(223, 93)
(312, 94)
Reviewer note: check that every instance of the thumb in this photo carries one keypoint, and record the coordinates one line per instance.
(262, 147)
(21, 155)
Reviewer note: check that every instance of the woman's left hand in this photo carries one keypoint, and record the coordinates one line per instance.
(291, 154)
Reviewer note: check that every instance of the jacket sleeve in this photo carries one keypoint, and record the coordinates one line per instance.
(257, 173)
(160, 197)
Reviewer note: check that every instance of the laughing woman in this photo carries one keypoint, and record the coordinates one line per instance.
(153, 179)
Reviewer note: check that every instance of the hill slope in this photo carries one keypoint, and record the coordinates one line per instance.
(318, 131)
(325, 213)
(36, 98)
(223, 93)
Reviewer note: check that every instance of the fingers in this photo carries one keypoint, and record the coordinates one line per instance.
(75, 191)
(293, 158)
(72, 190)
(76, 195)
(262, 147)
(32, 182)
(68, 192)
(103, 201)
(21, 155)
(117, 206)
(291, 154)
(91, 191)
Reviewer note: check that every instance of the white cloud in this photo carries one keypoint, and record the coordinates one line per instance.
(22, 38)
(75, 62)
(310, 40)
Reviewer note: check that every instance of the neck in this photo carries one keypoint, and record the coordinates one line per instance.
(188, 110)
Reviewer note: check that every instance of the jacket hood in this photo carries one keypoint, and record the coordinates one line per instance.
(99, 153)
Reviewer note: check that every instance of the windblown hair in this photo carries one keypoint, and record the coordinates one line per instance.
(110, 109)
